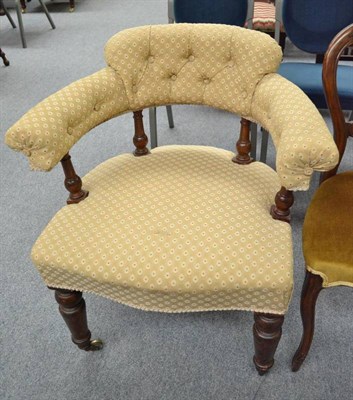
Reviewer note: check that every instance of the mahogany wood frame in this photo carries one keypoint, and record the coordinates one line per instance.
(267, 329)
(312, 285)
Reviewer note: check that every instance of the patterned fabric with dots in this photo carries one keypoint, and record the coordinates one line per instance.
(221, 66)
(182, 229)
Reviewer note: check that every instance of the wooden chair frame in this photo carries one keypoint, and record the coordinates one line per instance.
(313, 284)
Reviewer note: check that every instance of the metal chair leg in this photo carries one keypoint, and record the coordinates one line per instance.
(264, 145)
(153, 127)
(170, 116)
(253, 139)
(20, 23)
(47, 14)
(8, 16)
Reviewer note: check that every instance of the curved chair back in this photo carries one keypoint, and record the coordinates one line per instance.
(342, 129)
(230, 12)
(312, 24)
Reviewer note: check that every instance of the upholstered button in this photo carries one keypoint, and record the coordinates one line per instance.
(231, 64)
(151, 59)
(173, 77)
(134, 89)
(70, 131)
(206, 81)
(244, 94)
(308, 171)
(97, 107)
(191, 58)
(27, 152)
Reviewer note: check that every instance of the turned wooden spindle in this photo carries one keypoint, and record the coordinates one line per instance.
(267, 331)
(283, 202)
(140, 138)
(243, 144)
(72, 181)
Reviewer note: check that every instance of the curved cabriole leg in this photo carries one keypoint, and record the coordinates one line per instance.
(267, 333)
(72, 307)
(311, 289)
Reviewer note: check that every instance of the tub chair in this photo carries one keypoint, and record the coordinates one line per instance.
(178, 228)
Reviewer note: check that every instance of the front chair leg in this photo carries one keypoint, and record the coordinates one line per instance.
(267, 333)
(311, 289)
(72, 307)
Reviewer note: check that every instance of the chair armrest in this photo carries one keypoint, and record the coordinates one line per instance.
(48, 130)
(301, 137)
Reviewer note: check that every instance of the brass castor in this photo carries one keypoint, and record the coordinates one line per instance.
(95, 345)
(71, 9)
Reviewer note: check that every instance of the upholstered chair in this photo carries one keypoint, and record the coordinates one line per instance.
(328, 225)
(178, 228)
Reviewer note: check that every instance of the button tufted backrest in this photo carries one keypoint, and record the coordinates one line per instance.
(220, 66)
(215, 65)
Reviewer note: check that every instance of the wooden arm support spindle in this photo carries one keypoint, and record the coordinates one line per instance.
(72, 181)
(243, 144)
(283, 202)
(140, 139)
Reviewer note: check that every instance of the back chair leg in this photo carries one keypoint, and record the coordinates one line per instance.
(8, 15)
(310, 292)
(264, 145)
(253, 139)
(72, 307)
(47, 14)
(153, 127)
(267, 331)
(20, 24)
(170, 116)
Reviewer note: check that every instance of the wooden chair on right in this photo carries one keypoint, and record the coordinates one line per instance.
(328, 225)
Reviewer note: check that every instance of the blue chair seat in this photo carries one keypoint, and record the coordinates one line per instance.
(308, 77)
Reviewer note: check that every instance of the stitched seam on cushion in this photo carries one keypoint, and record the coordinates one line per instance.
(169, 311)
(122, 80)
(325, 279)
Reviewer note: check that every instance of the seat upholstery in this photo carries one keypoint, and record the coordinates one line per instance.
(182, 229)
(328, 242)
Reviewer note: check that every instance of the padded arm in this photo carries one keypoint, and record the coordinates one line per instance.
(48, 131)
(301, 137)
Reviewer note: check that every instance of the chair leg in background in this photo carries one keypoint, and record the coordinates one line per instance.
(4, 59)
(71, 5)
(8, 16)
(267, 331)
(264, 145)
(20, 24)
(170, 116)
(47, 14)
(253, 139)
(153, 127)
(311, 289)
(72, 307)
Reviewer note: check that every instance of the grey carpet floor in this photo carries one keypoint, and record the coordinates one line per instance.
(146, 355)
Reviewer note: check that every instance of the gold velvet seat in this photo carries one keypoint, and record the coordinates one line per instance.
(328, 231)
(181, 228)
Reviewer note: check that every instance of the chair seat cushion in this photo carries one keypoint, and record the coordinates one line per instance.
(308, 77)
(181, 229)
(328, 231)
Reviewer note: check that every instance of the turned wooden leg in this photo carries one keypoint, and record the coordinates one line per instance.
(72, 307)
(71, 5)
(311, 289)
(267, 333)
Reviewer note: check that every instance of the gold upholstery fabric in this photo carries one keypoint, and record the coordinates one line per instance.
(221, 66)
(328, 231)
(181, 229)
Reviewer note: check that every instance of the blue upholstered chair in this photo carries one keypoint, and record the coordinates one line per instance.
(230, 12)
(311, 25)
